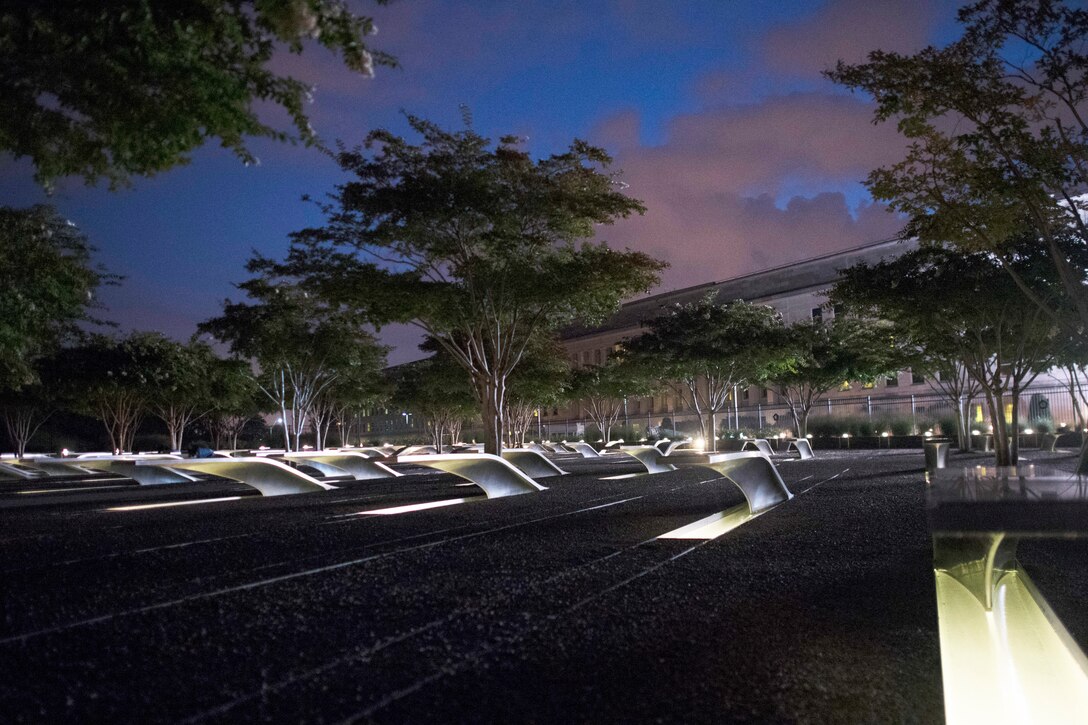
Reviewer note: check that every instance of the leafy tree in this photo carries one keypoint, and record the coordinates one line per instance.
(603, 390)
(437, 390)
(235, 399)
(538, 382)
(358, 386)
(998, 140)
(128, 87)
(113, 380)
(24, 411)
(963, 310)
(824, 355)
(481, 247)
(47, 287)
(300, 345)
(183, 375)
(704, 350)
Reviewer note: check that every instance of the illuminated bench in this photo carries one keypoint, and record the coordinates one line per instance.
(1004, 654)
(356, 465)
(496, 476)
(583, 448)
(57, 466)
(743, 444)
(14, 469)
(936, 454)
(532, 463)
(650, 457)
(150, 470)
(667, 447)
(803, 448)
(269, 476)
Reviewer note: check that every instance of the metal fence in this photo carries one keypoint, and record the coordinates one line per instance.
(906, 414)
(1049, 406)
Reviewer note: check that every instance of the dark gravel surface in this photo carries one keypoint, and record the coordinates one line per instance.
(561, 606)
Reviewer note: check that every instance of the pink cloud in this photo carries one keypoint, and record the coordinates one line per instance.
(848, 30)
(740, 189)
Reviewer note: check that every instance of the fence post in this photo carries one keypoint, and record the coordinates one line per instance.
(869, 405)
(913, 418)
(829, 406)
(759, 415)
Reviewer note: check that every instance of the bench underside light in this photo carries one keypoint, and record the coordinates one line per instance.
(270, 477)
(356, 465)
(1005, 656)
(532, 463)
(494, 475)
(756, 477)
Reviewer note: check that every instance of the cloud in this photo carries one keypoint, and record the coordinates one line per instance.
(740, 189)
(848, 30)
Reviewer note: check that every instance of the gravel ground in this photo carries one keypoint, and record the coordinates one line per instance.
(555, 607)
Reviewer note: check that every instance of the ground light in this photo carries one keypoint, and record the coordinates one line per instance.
(714, 525)
(1014, 664)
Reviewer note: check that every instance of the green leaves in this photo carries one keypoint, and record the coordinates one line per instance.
(127, 88)
(47, 286)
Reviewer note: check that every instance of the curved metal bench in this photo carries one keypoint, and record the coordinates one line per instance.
(753, 473)
(354, 464)
(270, 477)
(803, 448)
(583, 448)
(150, 470)
(494, 475)
(532, 463)
(649, 456)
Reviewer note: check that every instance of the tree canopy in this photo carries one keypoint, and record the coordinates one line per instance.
(112, 89)
(47, 287)
(477, 244)
(998, 138)
(826, 354)
(300, 345)
(950, 309)
(704, 349)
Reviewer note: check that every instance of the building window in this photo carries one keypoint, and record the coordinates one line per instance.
(747, 394)
(596, 357)
(817, 314)
(916, 378)
(892, 382)
(585, 357)
(763, 393)
(839, 310)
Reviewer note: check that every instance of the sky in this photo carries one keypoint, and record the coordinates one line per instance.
(714, 110)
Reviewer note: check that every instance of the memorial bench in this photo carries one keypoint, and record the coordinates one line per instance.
(356, 465)
(269, 476)
(496, 476)
(759, 479)
(1005, 655)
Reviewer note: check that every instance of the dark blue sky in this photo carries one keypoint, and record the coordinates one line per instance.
(715, 111)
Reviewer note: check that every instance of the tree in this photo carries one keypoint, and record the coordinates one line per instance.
(113, 380)
(540, 381)
(437, 390)
(964, 310)
(603, 390)
(704, 350)
(183, 375)
(823, 356)
(358, 386)
(24, 411)
(235, 399)
(300, 345)
(481, 247)
(113, 89)
(47, 287)
(998, 139)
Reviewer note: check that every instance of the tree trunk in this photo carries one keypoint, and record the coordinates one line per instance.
(710, 431)
(490, 392)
